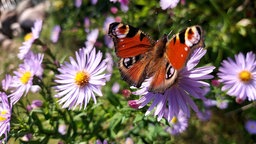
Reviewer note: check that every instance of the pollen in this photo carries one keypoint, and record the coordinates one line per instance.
(174, 120)
(25, 77)
(2, 118)
(28, 36)
(245, 76)
(82, 78)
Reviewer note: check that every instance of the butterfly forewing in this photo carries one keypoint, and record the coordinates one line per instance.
(129, 41)
(179, 47)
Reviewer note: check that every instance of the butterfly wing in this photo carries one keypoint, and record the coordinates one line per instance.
(132, 47)
(129, 41)
(180, 46)
(176, 53)
(163, 78)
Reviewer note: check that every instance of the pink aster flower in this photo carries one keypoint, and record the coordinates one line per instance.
(24, 49)
(165, 4)
(55, 33)
(250, 126)
(178, 124)
(178, 97)
(239, 76)
(22, 80)
(80, 79)
(5, 115)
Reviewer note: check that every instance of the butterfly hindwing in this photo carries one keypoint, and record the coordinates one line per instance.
(132, 69)
(163, 78)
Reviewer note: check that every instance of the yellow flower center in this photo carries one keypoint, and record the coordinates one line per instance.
(28, 36)
(245, 76)
(2, 118)
(25, 77)
(174, 120)
(82, 78)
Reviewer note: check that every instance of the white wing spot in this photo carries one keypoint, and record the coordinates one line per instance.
(186, 49)
(122, 45)
(181, 55)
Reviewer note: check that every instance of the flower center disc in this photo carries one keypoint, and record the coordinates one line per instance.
(82, 78)
(25, 77)
(245, 76)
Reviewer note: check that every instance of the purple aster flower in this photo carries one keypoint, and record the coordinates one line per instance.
(239, 76)
(250, 126)
(81, 79)
(5, 115)
(55, 33)
(165, 4)
(178, 97)
(22, 80)
(178, 124)
(24, 49)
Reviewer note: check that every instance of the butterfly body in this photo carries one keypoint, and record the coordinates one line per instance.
(142, 58)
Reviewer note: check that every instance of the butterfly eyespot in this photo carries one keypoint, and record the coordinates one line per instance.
(169, 71)
(127, 62)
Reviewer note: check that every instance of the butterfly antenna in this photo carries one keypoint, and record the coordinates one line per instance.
(169, 33)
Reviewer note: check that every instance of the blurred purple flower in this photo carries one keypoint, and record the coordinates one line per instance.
(24, 49)
(177, 97)
(27, 137)
(94, 2)
(116, 87)
(62, 129)
(99, 142)
(124, 4)
(36, 104)
(178, 124)
(5, 116)
(55, 33)
(113, 10)
(91, 39)
(6, 82)
(78, 3)
(22, 81)
(165, 4)
(86, 24)
(80, 79)
(129, 141)
(250, 126)
(205, 115)
(239, 76)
